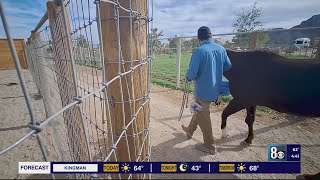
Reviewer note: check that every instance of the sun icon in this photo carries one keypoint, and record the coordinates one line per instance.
(241, 167)
(125, 167)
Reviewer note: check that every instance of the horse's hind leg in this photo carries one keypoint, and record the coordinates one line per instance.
(233, 107)
(251, 111)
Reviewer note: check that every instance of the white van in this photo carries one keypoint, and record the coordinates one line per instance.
(302, 42)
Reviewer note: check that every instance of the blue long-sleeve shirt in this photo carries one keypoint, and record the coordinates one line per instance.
(208, 62)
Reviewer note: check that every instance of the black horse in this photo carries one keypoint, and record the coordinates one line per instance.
(264, 78)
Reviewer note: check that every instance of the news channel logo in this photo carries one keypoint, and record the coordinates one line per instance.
(277, 152)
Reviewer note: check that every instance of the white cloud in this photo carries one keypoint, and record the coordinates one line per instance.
(177, 17)
(181, 17)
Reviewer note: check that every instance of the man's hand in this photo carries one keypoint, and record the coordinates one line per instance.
(187, 80)
(218, 101)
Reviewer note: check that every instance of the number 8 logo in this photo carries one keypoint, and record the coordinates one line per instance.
(273, 153)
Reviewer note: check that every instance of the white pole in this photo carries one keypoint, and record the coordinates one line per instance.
(178, 62)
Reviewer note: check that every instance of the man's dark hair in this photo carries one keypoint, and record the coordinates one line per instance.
(204, 33)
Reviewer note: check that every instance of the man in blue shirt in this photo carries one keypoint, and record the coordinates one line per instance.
(208, 62)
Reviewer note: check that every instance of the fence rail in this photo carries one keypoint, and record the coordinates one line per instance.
(96, 97)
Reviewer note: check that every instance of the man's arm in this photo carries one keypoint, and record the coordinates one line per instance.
(226, 63)
(194, 65)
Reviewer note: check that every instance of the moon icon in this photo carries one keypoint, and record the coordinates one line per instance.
(183, 167)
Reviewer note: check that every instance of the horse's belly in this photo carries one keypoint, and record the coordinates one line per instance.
(311, 109)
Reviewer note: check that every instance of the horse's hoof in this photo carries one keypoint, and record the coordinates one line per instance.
(224, 133)
(244, 143)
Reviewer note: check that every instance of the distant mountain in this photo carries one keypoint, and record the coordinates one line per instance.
(314, 21)
(288, 36)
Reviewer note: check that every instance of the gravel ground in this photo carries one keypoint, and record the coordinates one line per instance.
(169, 143)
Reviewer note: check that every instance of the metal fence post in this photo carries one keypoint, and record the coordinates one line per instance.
(178, 62)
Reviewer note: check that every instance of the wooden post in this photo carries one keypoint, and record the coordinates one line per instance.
(24, 62)
(39, 69)
(72, 116)
(253, 41)
(132, 48)
(178, 62)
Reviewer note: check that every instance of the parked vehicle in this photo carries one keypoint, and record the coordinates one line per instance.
(302, 43)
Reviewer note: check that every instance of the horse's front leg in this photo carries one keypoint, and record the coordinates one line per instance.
(233, 107)
(251, 113)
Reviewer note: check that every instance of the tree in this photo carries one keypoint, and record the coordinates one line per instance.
(195, 42)
(247, 20)
(154, 38)
(173, 44)
(49, 49)
(82, 41)
(189, 45)
(229, 45)
(218, 40)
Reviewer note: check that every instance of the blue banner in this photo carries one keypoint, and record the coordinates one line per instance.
(177, 167)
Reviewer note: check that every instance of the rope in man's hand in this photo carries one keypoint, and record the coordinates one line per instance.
(218, 101)
(185, 98)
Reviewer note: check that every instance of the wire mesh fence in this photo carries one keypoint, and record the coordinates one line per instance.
(91, 66)
(170, 66)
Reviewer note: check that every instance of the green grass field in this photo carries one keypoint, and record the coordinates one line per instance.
(164, 67)
(296, 56)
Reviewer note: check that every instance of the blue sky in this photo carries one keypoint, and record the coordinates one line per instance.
(22, 16)
(181, 17)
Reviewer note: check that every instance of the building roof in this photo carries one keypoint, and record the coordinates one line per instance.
(303, 39)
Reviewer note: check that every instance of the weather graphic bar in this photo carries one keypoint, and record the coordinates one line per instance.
(174, 167)
(282, 159)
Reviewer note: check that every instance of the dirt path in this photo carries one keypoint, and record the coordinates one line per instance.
(14, 118)
(169, 143)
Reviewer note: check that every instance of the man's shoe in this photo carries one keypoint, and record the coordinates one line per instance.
(185, 129)
(201, 147)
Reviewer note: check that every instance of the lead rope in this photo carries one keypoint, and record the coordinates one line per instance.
(185, 99)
